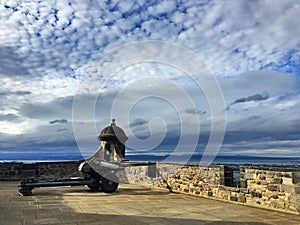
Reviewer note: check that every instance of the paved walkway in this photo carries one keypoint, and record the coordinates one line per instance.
(129, 205)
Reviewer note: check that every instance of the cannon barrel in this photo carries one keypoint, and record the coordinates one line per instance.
(99, 170)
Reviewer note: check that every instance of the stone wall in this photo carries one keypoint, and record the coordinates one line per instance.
(269, 188)
(148, 175)
(41, 170)
(277, 188)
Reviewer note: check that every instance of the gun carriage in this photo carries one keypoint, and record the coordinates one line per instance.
(99, 170)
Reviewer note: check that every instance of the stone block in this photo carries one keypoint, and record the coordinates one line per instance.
(296, 180)
(291, 207)
(296, 174)
(243, 183)
(277, 181)
(241, 198)
(210, 193)
(221, 187)
(244, 190)
(277, 204)
(295, 199)
(288, 188)
(264, 182)
(249, 174)
(261, 176)
(278, 175)
(297, 189)
(233, 198)
(287, 180)
(274, 196)
(270, 174)
(272, 187)
(256, 194)
(221, 181)
(296, 177)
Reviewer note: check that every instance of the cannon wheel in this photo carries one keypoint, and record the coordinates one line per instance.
(25, 191)
(109, 183)
(94, 186)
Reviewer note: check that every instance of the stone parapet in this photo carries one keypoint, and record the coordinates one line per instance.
(276, 189)
(264, 187)
(273, 188)
(270, 188)
(38, 170)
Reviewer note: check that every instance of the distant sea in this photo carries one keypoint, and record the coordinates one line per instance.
(195, 159)
(236, 160)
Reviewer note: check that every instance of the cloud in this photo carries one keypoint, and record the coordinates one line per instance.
(252, 48)
(61, 130)
(58, 121)
(48, 31)
(48, 110)
(244, 127)
(194, 111)
(11, 62)
(252, 98)
(255, 98)
(19, 93)
(8, 117)
(23, 92)
(138, 122)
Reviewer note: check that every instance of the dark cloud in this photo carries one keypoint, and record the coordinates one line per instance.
(11, 62)
(58, 121)
(20, 93)
(60, 107)
(194, 111)
(23, 92)
(138, 122)
(61, 130)
(8, 117)
(252, 98)
(255, 98)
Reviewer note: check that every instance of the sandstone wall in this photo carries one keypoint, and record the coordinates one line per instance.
(270, 188)
(277, 189)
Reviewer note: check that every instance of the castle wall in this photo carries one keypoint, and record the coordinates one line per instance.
(275, 188)
(40, 170)
(269, 188)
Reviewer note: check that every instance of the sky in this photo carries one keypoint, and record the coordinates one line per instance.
(172, 73)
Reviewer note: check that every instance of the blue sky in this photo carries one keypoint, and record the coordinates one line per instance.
(251, 48)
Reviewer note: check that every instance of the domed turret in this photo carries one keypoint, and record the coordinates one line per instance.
(113, 133)
(112, 144)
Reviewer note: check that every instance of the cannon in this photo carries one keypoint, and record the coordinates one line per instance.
(99, 170)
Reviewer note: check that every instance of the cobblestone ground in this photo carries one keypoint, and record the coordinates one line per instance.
(129, 205)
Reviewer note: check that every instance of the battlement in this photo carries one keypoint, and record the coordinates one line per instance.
(264, 187)
(16, 171)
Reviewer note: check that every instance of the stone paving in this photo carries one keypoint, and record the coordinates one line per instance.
(129, 205)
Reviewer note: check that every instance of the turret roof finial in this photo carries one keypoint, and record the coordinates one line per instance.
(113, 122)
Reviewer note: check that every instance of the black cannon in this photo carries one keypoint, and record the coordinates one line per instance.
(99, 170)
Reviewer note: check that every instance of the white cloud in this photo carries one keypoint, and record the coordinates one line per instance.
(47, 46)
(231, 37)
